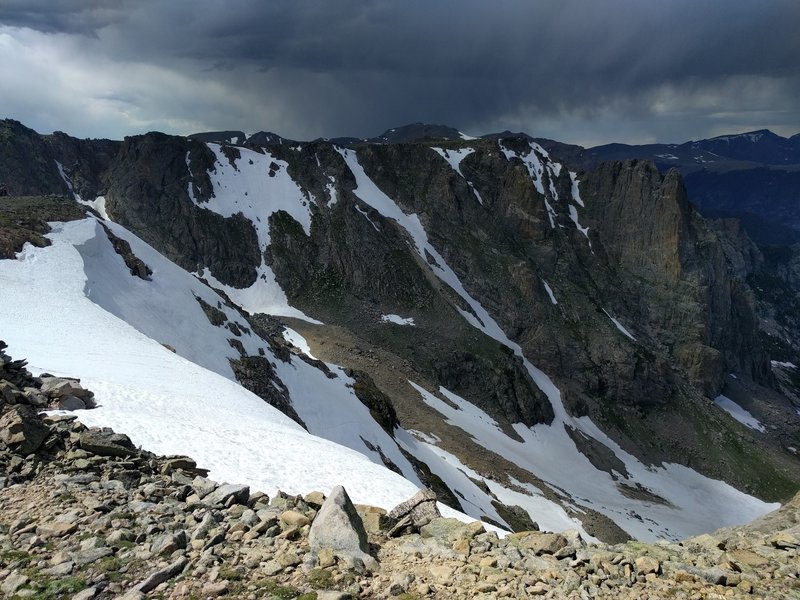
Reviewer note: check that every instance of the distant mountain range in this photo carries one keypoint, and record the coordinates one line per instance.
(753, 176)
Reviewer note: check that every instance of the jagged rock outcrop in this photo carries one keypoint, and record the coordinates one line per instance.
(669, 259)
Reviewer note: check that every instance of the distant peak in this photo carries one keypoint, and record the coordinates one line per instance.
(752, 136)
(418, 132)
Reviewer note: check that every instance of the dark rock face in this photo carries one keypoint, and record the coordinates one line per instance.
(148, 193)
(679, 285)
(356, 256)
(256, 374)
(379, 405)
(751, 176)
(85, 162)
(136, 265)
(668, 258)
(26, 165)
(28, 162)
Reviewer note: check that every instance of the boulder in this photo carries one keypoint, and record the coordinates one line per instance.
(105, 442)
(22, 430)
(338, 527)
(540, 543)
(178, 462)
(647, 564)
(58, 387)
(414, 513)
(158, 577)
(12, 583)
(71, 403)
(6, 393)
(227, 495)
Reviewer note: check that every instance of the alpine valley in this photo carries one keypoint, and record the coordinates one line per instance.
(546, 336)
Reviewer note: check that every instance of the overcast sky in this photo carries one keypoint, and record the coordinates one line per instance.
(580, 71)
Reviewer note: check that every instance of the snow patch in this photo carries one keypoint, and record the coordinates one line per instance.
(619, 326)
(256, 187)
(166, 307)
(164, 402)
(786, 365)
(549, 292)
(457, 476)
(398, 320)
(362, 212)
(740, 414)
(573, 214)
(98, 204)
(536, 169)
(264, 296)
(454, 158)
(693, 503)
(298, 341)
(576, 192)
(331, 187)
(248, 188)
(67, 182)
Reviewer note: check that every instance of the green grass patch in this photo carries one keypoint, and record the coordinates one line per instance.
(230, 574)
(320, 579)
(276, 590)
(50, 589)
(17, 557)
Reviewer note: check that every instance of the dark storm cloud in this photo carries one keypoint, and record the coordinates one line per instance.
(575, 70)
(70, 16)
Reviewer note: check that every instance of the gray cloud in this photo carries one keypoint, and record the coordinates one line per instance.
(579, 71)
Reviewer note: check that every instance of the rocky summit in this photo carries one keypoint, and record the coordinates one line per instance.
(85, 514)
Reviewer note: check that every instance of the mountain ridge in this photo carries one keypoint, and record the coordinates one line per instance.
(608, 278)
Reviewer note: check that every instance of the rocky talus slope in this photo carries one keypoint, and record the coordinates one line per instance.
(84, 514)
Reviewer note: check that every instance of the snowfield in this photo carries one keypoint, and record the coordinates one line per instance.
(166, 403)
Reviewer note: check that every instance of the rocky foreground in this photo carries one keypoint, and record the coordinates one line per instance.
(84, 514)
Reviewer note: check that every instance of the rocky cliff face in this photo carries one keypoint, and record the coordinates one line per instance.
(157, 171)
(667, 257)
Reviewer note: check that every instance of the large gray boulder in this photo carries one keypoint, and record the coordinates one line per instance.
(228, 494)
(338, 527)
(414, 513)
(22, 430)
(105, 442)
